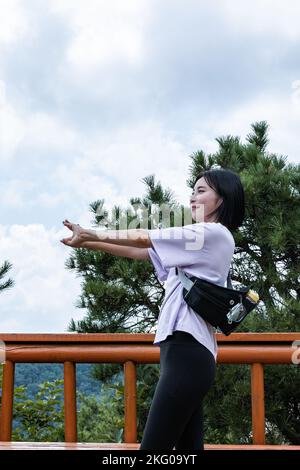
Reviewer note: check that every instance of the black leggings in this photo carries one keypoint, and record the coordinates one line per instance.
(187, 372)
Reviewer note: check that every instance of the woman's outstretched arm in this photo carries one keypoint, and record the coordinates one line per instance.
(117, 250)
(138, 238)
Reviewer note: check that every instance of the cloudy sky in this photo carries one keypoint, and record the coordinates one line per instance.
(96, 95)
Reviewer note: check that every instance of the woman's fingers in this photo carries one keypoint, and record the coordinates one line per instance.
(68, 224)
(72, 242)
(66, 241)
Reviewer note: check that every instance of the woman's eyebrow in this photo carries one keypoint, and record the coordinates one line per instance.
(201, 187)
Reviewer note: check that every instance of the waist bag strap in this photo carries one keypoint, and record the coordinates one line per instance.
(187, 283)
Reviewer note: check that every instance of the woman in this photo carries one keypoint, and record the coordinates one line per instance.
(188, 348)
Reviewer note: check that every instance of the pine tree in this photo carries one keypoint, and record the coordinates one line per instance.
(124, 295)
(6, 266)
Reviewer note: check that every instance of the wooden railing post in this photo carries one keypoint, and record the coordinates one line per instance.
(258, 403)
(70, 401)
(7, 401)
(130, 433)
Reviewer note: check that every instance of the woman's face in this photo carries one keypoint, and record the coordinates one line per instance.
(204, 195)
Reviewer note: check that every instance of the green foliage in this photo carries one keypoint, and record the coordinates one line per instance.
(231, 421)
(230, 391)
(107, 372)
(41, 419)
(282, 400)
(147, 377)
(102, 419)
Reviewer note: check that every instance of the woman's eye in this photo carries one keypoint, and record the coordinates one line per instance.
(199, 191)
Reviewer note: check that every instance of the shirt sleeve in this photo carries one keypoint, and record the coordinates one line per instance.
(176, 246)
(161, 272)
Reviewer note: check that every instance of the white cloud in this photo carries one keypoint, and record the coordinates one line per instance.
(295, 96)
(112, 165)
(44, 294)
(13, 193)
(282, 113)
(48, 131)
(134, 88)
(2, 93)
(12, 127)
(38, 131)
(262, 17)
(45, 199)
(104, 32)
(14, 21)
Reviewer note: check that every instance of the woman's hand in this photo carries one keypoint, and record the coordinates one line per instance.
(76, 239)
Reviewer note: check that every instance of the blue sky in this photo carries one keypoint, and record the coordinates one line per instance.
(96, 95)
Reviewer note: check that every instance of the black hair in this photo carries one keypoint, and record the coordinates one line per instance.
(227, 184)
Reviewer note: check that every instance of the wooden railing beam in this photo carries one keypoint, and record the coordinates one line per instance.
(120, 353)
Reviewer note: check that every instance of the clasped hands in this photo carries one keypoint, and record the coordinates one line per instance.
(76, 239)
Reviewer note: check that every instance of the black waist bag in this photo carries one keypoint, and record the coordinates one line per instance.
(224, 308)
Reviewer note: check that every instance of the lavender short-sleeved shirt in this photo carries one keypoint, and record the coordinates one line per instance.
(203, 249)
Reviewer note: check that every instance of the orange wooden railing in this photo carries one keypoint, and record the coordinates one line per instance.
(255, 349)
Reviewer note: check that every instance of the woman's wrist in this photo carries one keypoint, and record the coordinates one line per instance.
(88, 235)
